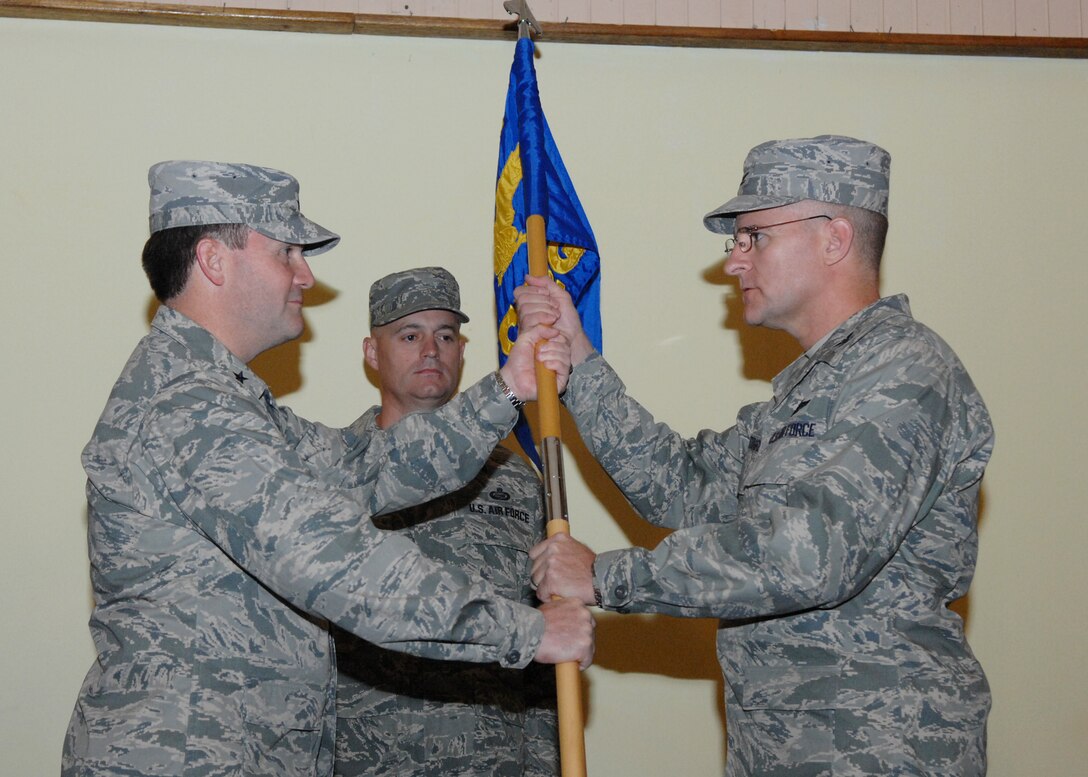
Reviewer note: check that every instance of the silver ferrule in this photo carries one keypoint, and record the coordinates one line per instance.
(555, 494)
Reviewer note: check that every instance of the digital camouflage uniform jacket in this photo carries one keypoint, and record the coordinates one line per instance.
(828, 530)
(220, 545)
(416, 717)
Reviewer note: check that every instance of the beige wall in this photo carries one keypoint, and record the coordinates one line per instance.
(395, 143)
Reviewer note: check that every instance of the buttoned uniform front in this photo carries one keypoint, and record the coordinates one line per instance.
(222, 539)
(829, 529)
(417, 717)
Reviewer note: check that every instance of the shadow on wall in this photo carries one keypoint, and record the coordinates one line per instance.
(681, 648)
(764, 352)
(279, 367)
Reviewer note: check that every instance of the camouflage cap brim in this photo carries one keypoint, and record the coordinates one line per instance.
(723, 218)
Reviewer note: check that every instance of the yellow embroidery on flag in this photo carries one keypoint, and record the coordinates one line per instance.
(507, 237)
(564, 264)
(509, 321)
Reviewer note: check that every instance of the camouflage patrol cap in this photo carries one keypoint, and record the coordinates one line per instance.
(410, 291)
(188, 193)
(828, 168)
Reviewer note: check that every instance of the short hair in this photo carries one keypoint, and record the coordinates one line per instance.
(870, 231)
(169, 254)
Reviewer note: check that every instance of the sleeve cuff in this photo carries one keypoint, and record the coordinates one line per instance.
(525, 641)
(490, 403)
(612, 586)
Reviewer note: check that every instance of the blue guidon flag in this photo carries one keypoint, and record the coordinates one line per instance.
(533, 181)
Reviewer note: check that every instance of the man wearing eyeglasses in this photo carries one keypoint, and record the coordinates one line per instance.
(832, 526)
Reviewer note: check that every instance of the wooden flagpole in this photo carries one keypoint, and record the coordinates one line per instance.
(568, 681)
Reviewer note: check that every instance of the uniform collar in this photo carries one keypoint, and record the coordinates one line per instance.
(830, 348)
(202, 345)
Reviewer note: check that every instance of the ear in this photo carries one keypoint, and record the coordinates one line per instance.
(840, 239)
(209, 258)
(370, 353)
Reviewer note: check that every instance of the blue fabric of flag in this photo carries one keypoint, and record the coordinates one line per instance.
(531, 180)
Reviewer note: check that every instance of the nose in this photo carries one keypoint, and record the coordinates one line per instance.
(736, 263)
(430, 346)
(304, 277)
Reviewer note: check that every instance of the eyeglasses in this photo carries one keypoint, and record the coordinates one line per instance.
(745, 237)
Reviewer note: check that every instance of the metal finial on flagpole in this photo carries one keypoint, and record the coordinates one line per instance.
(527, 23)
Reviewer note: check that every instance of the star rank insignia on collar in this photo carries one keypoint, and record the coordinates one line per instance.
(240, 377)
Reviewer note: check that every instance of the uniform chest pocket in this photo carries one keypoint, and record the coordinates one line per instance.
(283, 725)
(495, 548)
(786, 452)
(763, 484)
(503, 564)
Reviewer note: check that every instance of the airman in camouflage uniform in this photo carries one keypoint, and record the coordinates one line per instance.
(417, 717)
(222, 537)
(832, 526)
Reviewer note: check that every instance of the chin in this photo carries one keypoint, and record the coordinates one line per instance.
(287, 337)
(296, 330)
(437, 394)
